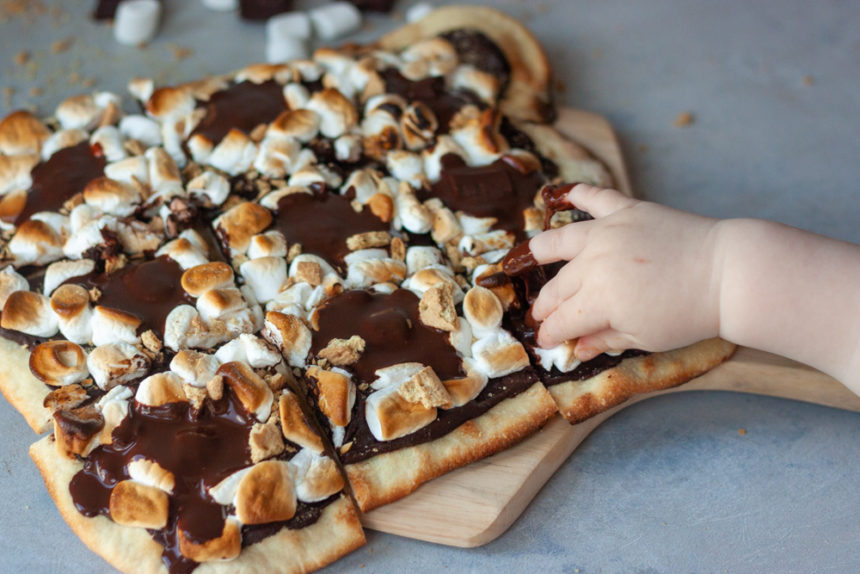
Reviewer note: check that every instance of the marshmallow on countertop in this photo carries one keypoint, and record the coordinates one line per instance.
(418, 11)
(136, 21)
(221, 5)
(335, 20)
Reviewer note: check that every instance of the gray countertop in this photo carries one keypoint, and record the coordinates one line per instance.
(669, 485)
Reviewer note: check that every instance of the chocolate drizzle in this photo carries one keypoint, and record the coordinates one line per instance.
(392, 331)
(65, 174)
(431, 92)
(242, 106)
(321, 223)
(497, 190)
(149, 290)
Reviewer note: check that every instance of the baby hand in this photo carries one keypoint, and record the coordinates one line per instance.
(639, 275)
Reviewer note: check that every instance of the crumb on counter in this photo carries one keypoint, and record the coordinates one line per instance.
(808, 80)
(62, 45)
(742, 432)
(684, 119)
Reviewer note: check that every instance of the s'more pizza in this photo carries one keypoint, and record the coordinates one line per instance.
(267, 296)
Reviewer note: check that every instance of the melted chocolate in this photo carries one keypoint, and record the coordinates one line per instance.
(517, 138)
(242, 106)
(105, 9)
(519, 260)
(263, 9)
(365, 445)
(65, 174)
(149, 290)
(476, 49)
(322, 222)
(497, 190)
(392, 331)
(373, 5)
(431, 92)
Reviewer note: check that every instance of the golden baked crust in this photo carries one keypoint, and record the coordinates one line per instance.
(337, 532)
(579, 400)
(23, 391)
(529, 94)
(391, 476)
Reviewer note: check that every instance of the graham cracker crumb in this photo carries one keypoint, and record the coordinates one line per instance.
(34, 92)
(89, 82)
(343, 352)
(742, 432)
(95, 294)
(684, 119)
(808, 80)
(62, 45)
(21, 58)
(181, 52)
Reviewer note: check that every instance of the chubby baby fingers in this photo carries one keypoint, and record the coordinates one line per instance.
(562, 244)
(599, 201)
(572, 319)
(557, 290)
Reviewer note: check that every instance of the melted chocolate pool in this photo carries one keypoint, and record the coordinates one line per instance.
(242, 106)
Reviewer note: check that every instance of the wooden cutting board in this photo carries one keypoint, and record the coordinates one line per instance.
(477, 503)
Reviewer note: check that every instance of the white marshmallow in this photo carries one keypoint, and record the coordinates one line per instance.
(59, 272)
(219, 303)
(395, 374)
(249, 349)
(148, 393)
(285, 48)
(461, 337)
(215, 187)
(194, 367)
(225, 491)
(269, 244)
(136, 21)
(419, 257)
(115, 363)
(347, 148)
(235, 154)
(493, 357)
(221, 5)
(106, 329)
(110, 140)
(142, 129)
(129, 170)
(296, 96)
(335, 20)
(141, 88)
(418, 11)
(150, 473)
(178, 251)
(560, 357)
(265, 275)
(62, 139)
(90, 235)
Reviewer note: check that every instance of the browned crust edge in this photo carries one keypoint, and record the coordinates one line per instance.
(336, 533)
(391, 476)
(580, 400)
(529, 94)
(23, 391)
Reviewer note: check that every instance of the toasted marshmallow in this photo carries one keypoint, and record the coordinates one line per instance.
(317, 477)
(419, 125)
(112, 197)
(132, 170)
(141, 88)
(150, 473)
(269, 244)
(234, 154)
(194, 367)
(492, 241)
(430, 277)
(137, 237)
(296, 96)
(202, 278)
(11, 281)
(381, 135)
(561, 357)
(71, 305)
(446, 226)
(78, 112)
(29, 313)
(479, 137)
(140, 128)
(114, 408)
(62, 139)
(438, 53)
(58, 363)
(419, 257)
(225, 547)
(242, 222)
(138, 505)
(295, 425)
(252, 391)
(461, 337)
(406, 166)
(160, 389)
(22, 133)
(184, 328)
(290, 335)
(266, 493)
(365, 183)
(219, 303)
(248, 349)
(484, 85)
(277, 156)
(369, 266)
(265, 275)
(336, 394)
(347, 148)
(60, 271)
(483, 310)
(475, 225)
(115, 364)
(76, 430)
(171, 102)
(164, 178)
(36, 243)
(389, 415)
(15, 176)
(336, 113)
(111, 325)
(395, 374)
(499, 354)
(413, 215)
(109, 140)
(184, 251)
(464, 389)
(432, 157)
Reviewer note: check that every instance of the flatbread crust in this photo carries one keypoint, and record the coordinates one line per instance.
(390, 476)
(23, 391)
(579, 400)
(337, 532)
(529, 93)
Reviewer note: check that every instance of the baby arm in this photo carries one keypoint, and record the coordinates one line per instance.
(645, 276)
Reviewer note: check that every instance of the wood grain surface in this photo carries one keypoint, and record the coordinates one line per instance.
(477, 503)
